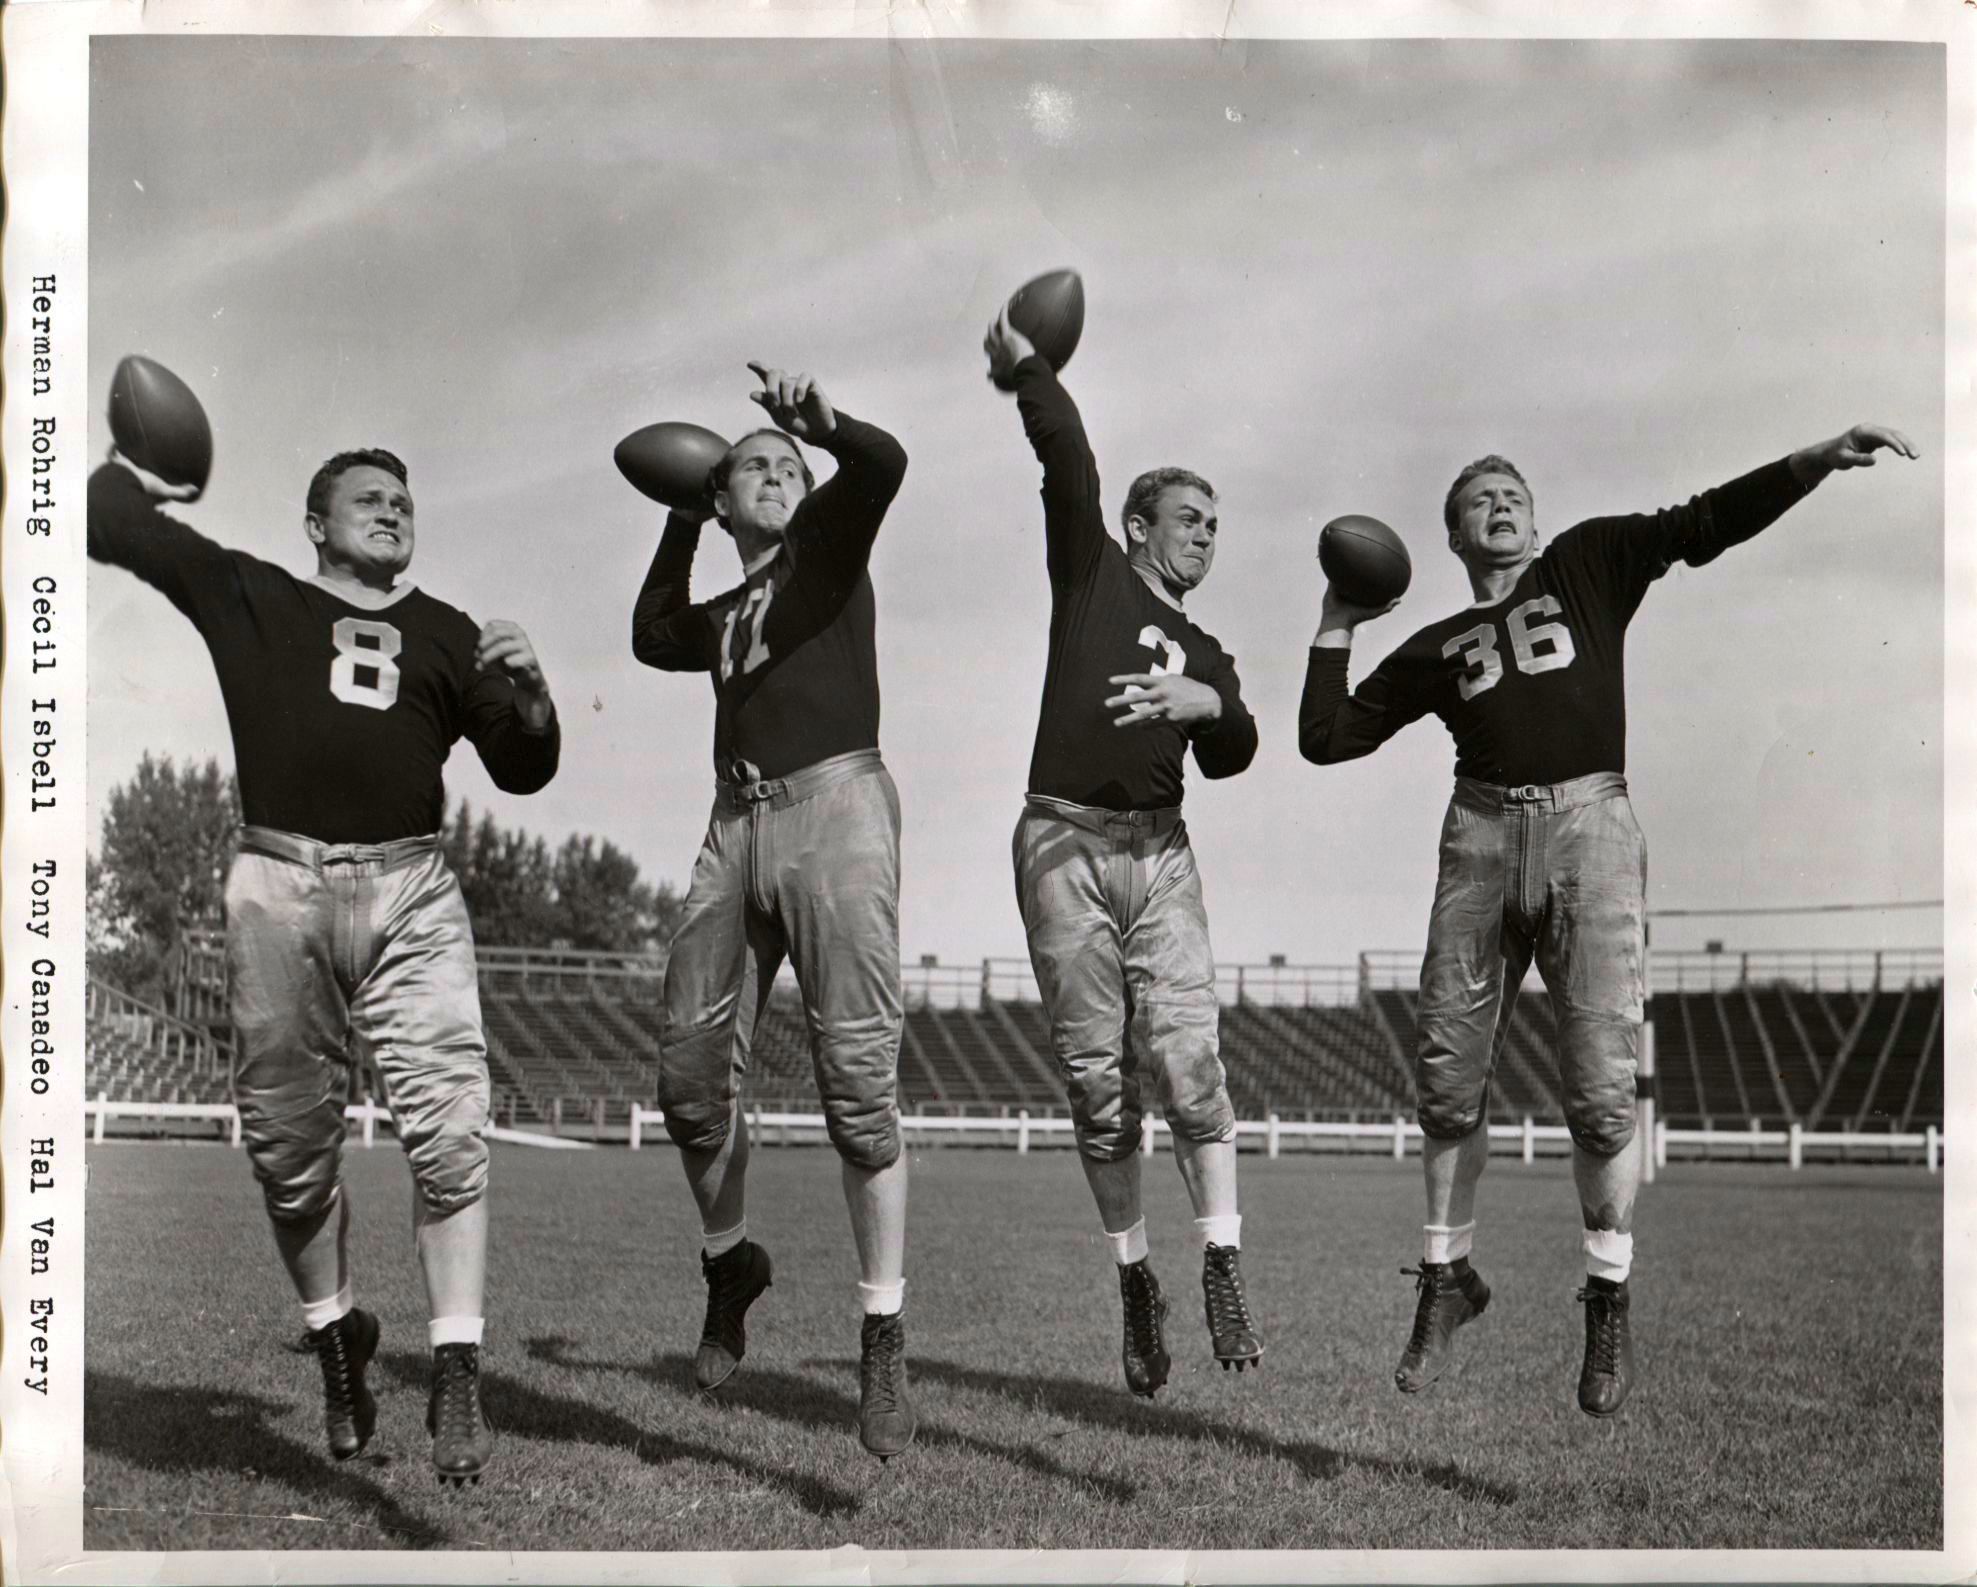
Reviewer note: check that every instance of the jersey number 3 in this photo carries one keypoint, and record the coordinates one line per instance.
(1478, 649)
(365, 671)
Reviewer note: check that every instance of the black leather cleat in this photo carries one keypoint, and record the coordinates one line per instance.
(344, 1349)
(886, 1423)
(462, 1442)
(1608, 1374)
(1144, 1353)
(1235, 1340)
(734, 1279)
(1450, 1294)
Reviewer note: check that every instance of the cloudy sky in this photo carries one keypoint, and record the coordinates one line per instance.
(1325, 275)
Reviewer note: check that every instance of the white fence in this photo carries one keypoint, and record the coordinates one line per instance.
(368, 1116)
(1400, 1135)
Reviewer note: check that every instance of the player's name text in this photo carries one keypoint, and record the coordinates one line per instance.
(41, 445)
(40, 1029)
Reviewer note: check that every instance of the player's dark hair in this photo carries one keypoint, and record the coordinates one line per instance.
(717, 476)
(1483, 465)
(1144, 495)
(342, 463)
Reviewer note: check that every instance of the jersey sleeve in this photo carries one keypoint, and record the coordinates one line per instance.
(834, 526)
(1228, 744)
(518, 759)
(668, 630)
(1334, 725)
(1630, 553)
(127, 530)
(1073, 516)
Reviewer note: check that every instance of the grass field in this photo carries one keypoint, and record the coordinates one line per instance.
(1789, 1332)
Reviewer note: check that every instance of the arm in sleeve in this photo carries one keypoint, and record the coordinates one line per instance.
(518, 760)
(1228, 744)
(1073, 516)
(835, 526)
(127, 530)
(1637, 550)
(668, 631)
(1333, 725)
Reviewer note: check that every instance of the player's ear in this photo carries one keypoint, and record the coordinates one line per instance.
(312, 526)
(721, 508)
(1136, 529)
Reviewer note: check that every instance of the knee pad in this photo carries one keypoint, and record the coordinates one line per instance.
(1596, 1069)
(865, 1138)
(450, 1168)
(697, 1126)
(296, 1159)
(1442, 1122)
(1110, 1140)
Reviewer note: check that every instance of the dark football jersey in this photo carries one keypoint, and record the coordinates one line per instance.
(1533, 686)
(1105, 622)
(342, 715)
(791, 649)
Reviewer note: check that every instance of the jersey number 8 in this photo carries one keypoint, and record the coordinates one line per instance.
(365, 671)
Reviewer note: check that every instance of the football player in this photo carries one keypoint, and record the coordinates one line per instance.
(1540, 853)
(345, 691)
(1105, 876)
(801, 860)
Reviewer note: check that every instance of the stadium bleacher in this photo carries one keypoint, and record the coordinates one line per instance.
(573, 1043)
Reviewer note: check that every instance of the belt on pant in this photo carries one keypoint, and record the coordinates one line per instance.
(1571, 795)
(298, 850)
(778, 793)
(1108, 823)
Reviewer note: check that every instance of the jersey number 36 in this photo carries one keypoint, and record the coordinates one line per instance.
(1478, 647)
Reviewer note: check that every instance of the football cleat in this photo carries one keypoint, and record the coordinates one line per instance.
(344, 1349)
(1450, 1294)
(1145, 1351)
(461, 1439)
(886, 1423)
(734, 1279)
(1608, 1373)
(1229, 1325)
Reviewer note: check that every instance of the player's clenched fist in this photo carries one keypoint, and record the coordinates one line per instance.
(503, 645)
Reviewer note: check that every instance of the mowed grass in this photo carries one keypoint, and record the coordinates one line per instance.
(1789, 1331)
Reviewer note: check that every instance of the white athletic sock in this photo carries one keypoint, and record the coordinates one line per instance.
(1609, 1254)
(882, 1300)
(454, 1331)
(1223, 1229)
(1128, 1245)
(719, 1244)
(1444, 1242)
(321, 1313)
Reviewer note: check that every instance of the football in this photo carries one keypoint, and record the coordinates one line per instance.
(669, 463)
(1050, 311)
(158, 423)
(1365, 559)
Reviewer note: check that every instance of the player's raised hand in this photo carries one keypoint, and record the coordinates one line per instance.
(1006, 348)
(1853, 448)
(1150, 697)
(795, 403)
(503, 647)
(1341, 612)
(154, 487)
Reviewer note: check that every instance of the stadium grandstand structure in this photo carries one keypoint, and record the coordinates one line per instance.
(1840, 1042)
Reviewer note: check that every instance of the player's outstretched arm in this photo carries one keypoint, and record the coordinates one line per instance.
(127, 529)
(1334, 724)
(667, 632)
(1073, 514)
(510, 716)
(1853, 448)
(840, 519)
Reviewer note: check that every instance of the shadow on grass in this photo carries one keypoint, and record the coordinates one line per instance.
(181, 1431)
(513, 1407)
(1079, 1400)
(790, 1397)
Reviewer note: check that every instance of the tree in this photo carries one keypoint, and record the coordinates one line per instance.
(588, 895)
(169, 836)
